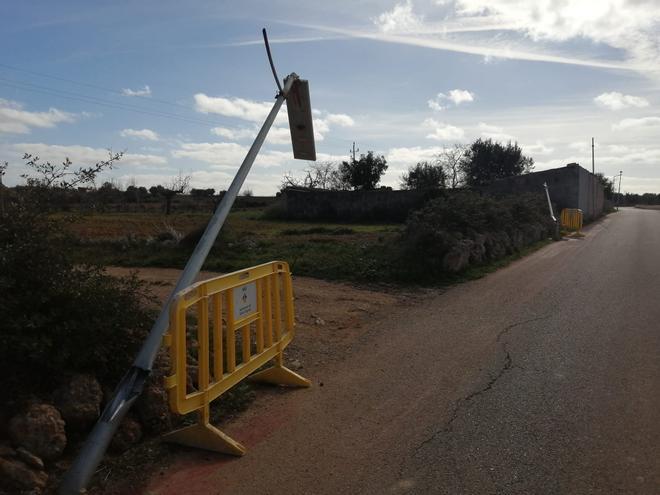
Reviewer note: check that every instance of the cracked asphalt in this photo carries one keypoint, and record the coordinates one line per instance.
(542, 378)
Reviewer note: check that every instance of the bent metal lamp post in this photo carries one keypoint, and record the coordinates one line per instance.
(555, 234)
(296, 93)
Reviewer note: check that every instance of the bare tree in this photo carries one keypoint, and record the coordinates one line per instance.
(47, 175)
(178, 185)
(49, 185)
(319, 175)
(450, 159)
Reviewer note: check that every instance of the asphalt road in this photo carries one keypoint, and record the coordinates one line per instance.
(541, 378)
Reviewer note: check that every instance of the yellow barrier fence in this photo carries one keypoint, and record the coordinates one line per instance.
(571, 219)
(256, 304)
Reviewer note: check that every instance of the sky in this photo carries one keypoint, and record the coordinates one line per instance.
(184, 86)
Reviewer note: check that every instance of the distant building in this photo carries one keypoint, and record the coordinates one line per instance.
(570, 187)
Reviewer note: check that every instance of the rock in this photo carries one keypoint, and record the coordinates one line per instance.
(320, 322)
(518, 239)
(249, 244)
(79, 401)
(5, 415)
(458, 257)
(128, 434)
(497, 245)
(17, 475)
(295, 365)
(40, 430)
(7, 451)
(478, 250)
(29, 458)
(153, 409)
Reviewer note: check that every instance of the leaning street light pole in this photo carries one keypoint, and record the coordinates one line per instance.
(296, 92)
(555, 234)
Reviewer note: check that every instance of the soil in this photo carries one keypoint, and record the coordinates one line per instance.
(331, 318)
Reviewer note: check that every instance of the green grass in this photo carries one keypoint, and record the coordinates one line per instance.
(359, 253)
(476, 272)
(323, 250)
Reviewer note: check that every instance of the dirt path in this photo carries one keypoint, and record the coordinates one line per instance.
(330, 316)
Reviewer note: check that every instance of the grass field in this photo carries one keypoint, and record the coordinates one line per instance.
(350, 252)
(329, 251)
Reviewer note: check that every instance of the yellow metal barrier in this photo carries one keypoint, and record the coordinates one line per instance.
(257, 303)
(571, 219)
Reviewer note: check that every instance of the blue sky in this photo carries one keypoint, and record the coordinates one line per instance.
(183, 86)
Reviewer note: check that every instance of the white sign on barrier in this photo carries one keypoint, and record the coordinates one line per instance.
(245, 300)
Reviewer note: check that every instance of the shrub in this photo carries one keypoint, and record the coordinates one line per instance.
(464, 227)
(58, 317)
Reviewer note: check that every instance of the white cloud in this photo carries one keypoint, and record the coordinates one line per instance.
(340, 119)
(400, 158)
(253, 111)
(538, 148)
(400, 18)
(442, 131)
(455, 96)
(493, 132)
(458, 96)
(235, 134)
(619, 101)
(276, 134)
(82, 156)
(534, 30)
(629, 25)
(281, 135)
(321, 126)
(404, 156)
(146, 134)
(146, 91)
(642, 122)
(15, 120)
(228, 155)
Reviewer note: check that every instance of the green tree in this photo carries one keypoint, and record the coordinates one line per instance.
(423, 177)
(487, 160)
(607, 183)
(202, 193)
(364, 173)
(60, 315)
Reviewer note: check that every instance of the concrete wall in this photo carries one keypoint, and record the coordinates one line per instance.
(570, 187)
(563, 184)
(591, 196)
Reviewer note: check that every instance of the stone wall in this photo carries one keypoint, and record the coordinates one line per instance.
(381, 205)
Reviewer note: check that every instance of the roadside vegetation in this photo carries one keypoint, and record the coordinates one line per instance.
(70, 330)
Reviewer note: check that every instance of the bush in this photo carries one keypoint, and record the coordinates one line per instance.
(466, 228)
(58, 317)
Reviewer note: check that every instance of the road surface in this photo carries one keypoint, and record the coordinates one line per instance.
(541, 378)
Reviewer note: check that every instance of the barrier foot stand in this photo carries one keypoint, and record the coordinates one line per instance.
(205, 436)
(280, 375)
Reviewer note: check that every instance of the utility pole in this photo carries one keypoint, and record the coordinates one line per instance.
(3, 169)
(353, 151)
(618, 196)
(593, 179)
